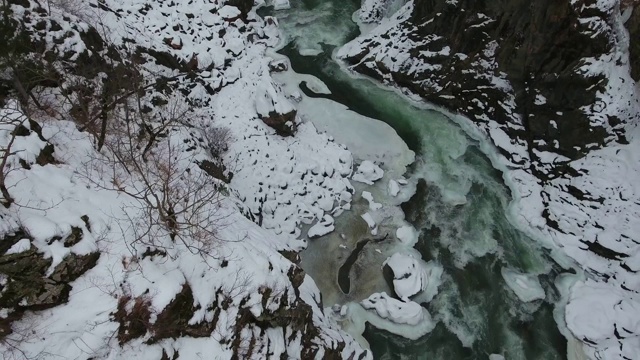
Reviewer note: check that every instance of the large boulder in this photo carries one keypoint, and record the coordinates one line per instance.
(275, 110)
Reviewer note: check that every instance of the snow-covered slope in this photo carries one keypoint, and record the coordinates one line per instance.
(549, 84)
(106, 278)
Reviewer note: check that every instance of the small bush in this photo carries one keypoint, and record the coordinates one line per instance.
(218, 139)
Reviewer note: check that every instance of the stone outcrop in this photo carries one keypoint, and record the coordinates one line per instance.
(27, 285)
(283, 124)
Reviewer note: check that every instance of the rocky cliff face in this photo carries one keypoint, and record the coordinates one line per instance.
(633, 25)
(552, 84)
(518, 63)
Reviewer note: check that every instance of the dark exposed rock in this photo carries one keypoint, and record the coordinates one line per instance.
(73, 238)
(11, 239)
(276, 66)
(28, 288)
(46, 156)
(603, 251)
(173, 321)
(244, 5)
(283, 124)
(217, 171)
(296, 276)
(134, 322)
(292, 256)
(633, 25)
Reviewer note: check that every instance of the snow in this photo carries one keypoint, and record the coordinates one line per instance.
(368, 173)
(21, 246)
(525, 286)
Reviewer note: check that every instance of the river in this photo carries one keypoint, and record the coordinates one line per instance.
(459, 208)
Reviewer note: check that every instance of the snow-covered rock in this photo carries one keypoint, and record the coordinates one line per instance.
(599, 314)
(369, 220)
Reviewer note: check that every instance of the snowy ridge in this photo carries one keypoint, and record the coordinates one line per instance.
(590, 208)
(148, 296)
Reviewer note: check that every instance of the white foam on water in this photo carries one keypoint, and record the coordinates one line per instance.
(309, 29)
(465, 322)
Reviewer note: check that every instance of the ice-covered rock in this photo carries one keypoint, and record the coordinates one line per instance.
(527, 287)
(368, 173)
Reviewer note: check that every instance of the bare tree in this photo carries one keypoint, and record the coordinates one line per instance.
(173, 198)
(12, 125)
